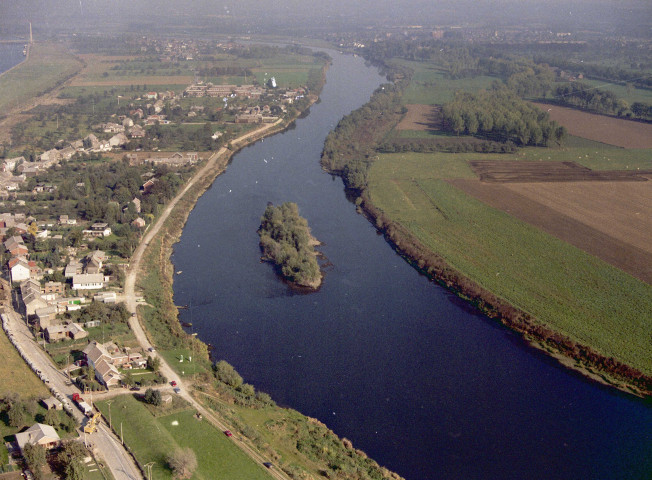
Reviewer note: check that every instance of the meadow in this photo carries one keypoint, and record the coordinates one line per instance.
(151, 438)
(430, 86)
(560, 285)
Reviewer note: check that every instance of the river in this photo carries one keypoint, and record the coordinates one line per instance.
(418, 379)
(11, 54)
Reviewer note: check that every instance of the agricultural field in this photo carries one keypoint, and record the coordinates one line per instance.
(15, 375)
(429, 85)
(420, 118)
(564, 287)
(613, 131)
(47, 66)
(151, 438)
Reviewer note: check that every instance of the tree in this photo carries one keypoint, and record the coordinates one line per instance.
(34, 455)
(128, 379)
(153, 397)
(182, 462)
(153, 363)
(70, 457)
(17, 415)
(225, 373)
(52, 418)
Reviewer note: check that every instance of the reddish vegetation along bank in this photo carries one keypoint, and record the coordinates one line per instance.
(435, 267)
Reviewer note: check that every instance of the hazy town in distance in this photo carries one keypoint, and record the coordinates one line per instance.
(362, 240)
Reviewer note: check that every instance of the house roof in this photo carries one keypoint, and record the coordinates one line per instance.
(37, 433)
(87, 278)
(95, 351)
(52, 402)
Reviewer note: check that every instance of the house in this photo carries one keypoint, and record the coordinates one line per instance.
(94, 262)
(30, 292)
(147, 186)
(137, 132)
(75, 331)
(107, 374)
(19, 250)
(52, 403)
(51, 156)
(72, 269)
(14, 241)
(55, 333)
(40, 434)
(91, 142)
(136, 202)
(138, 223)
(99, 229)
(118, 140)
(67, 152)
(10, 163)
(20, 269)
(56, 288)
(46, 316)
(88, 281)
(105, 297)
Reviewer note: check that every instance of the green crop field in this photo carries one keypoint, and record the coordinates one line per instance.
(151, 439)
(48, 65)
(429, 85)
(560, 285)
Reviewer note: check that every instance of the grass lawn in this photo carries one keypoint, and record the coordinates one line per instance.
(153, 438)
(562, 286)
(15, 375)
(429, 85)
(47, 66)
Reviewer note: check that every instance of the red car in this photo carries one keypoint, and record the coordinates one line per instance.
(173, 383)
(228, 433)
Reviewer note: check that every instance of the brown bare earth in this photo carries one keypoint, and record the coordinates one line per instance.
(518, 171)
(421, 117)
(613, 131)
(588, 215)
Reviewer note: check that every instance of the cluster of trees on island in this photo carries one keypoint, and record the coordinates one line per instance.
(501, 115)
(286, 241)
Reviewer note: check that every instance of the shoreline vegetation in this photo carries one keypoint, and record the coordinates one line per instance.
(352, 161)
(285, 241)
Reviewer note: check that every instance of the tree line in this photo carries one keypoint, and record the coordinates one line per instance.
(500, 114)
(285, 240)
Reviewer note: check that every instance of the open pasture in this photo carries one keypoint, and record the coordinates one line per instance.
(15, 375)
(420, 118)
(613, 131)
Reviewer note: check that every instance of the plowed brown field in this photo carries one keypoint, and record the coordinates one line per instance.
(614, 131)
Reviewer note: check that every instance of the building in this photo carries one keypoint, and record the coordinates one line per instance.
(99, 229)
(40, 434)
(30, 292)
(88, 281)
(19, 268)
(94, 262)
(56, 288)
(46, 316)
(72, 269)
(52, 403)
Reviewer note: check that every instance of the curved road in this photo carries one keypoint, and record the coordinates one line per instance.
(131, 302)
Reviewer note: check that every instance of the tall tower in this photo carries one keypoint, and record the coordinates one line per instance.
(31, 40)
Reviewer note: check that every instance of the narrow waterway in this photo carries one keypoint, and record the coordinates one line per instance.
(423, 383)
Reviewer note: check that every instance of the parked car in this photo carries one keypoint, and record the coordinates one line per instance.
(267, 464)
(228, 433)
(177, 390)
(173, 383)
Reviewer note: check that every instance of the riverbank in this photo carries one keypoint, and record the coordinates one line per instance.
(571, 354)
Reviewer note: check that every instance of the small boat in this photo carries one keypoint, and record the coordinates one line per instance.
(186, 324)
(178, 272)
(182, 307)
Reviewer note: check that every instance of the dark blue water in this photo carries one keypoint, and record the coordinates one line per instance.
(423, 383)
(10, 54)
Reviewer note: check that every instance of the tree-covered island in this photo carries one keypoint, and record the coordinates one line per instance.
(285, 240)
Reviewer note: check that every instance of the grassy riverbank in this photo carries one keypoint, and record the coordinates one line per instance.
(47, 67)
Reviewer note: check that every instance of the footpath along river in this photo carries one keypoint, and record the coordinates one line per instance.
(419, 380)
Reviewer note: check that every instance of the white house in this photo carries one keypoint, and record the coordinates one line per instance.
(88, 281)
(19, 269)
(40, 434)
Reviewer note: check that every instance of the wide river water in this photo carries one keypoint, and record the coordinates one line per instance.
(418, 379)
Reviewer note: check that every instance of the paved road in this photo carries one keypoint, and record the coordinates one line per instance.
(131, 302)
(115, 456)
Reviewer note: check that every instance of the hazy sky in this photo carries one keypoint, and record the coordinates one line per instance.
(71, 15)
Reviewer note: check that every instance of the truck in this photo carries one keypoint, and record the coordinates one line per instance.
(83, 406)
